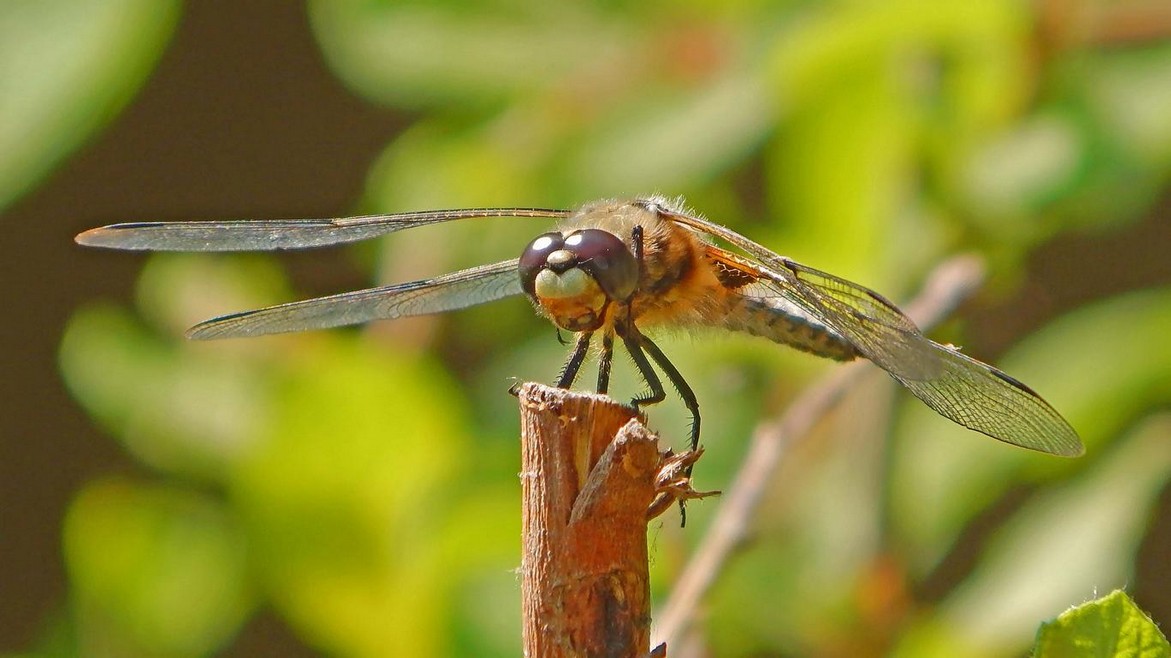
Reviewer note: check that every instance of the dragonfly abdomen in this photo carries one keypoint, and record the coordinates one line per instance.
(782, 322)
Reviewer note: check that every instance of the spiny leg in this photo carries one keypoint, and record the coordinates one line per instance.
(633, 340)
(576, 357)
(604, 361)
(680, 384)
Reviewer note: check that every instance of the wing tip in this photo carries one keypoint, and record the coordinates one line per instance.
(1060, 441)
(127, 236)
(198, 332)
(1071, 448)
(205, 331)
(217, 328)
(97, 237)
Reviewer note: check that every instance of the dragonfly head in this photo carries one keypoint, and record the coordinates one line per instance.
(574, 276)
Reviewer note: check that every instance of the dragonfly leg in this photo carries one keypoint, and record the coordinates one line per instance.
(635, 343)
(604, 361)
(680, 384)
(633, 340)
(576, 357)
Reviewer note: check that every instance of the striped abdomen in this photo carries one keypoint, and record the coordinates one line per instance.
(781, 321)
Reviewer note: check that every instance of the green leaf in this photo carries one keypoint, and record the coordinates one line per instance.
(1111, 626)
(346, 498)
(181, 407)
(156, 571)
(66, 68)
(423, 54)
(636, 145)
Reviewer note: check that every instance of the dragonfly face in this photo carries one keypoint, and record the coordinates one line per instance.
(617, 268)
(575, 277)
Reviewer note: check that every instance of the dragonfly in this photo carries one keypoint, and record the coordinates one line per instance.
(611, 271)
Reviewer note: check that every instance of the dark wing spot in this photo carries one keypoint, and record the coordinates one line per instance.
(1014, 382)
(732, 278)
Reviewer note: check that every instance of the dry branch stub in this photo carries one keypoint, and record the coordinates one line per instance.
(589, 475)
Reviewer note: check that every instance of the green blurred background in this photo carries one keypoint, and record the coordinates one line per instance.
(354, 492)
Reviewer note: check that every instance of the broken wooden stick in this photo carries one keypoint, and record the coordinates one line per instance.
(590, 474)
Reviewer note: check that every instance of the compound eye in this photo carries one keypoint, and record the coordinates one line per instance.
(607, 259)
(533, 259)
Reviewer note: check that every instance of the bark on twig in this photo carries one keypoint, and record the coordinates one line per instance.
(589, 471)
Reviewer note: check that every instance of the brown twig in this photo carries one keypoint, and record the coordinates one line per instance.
(589, 475)
(946, 287)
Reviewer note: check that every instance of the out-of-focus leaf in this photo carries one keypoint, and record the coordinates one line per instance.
(837, 169)
(867, 95)
(1131, 92)
(66, 68)
(964, 59)
(346, 498)
(175, 412)
(1099, 366)
(1096, 153)
(156, 571)
(1110, 627)
(1020, 172)
(763, 577)
(485, 616)
(657, 142)
(822, 513)
(431, 165)
(177, 290)
(182, 408)
(345, 459)
(419, 54)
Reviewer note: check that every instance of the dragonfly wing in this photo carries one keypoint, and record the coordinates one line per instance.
(457, 290)
(755, 306)
(875, 327)
(271, 235)
(983, 398)
(964, 390)
(960, 388)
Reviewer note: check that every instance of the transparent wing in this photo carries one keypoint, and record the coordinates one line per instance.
(453, 291)
(270, 235)
(969, 392)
